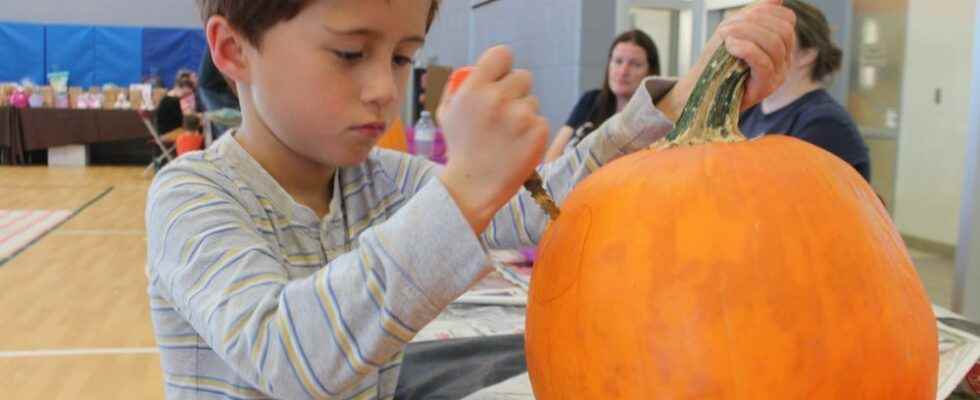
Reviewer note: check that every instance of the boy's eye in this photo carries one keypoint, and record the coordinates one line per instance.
(402, 61)
(349, 55)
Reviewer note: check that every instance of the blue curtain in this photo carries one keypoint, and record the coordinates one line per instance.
(118, 55)
(166, 51)
(97, 55)
(72, 48)
(22, 52)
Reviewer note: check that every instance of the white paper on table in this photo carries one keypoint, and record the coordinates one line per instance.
(516, 388)
(958, 353)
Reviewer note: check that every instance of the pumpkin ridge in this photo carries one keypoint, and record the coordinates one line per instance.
(731, 337)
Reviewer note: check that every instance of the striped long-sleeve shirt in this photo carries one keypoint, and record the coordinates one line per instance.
(254, 296)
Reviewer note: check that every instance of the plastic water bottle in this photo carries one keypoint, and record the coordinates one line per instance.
(425, 136)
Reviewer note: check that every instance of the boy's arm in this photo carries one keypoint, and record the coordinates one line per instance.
(521, 222)
(317, 337)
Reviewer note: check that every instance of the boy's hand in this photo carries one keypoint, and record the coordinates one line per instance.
(763, 35)
(494, 136)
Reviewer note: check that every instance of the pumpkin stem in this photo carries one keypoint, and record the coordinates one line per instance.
(711, 113)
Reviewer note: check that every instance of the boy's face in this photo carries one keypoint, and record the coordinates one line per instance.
(327, 82)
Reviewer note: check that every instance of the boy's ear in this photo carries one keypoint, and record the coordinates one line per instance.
(227, 48)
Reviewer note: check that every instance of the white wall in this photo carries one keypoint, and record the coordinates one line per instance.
(155, 13)
(448, 41)
(656, 23)
(563, 43)
(966, 294)
(598, 30)
(542, 35)
(932, 144)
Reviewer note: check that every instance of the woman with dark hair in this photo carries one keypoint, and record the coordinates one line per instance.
(801, 107)
(632, 57)
(177, 104)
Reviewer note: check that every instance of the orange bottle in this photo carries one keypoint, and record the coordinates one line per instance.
(394, 138)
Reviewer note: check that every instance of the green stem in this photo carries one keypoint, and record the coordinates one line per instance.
(712, 111)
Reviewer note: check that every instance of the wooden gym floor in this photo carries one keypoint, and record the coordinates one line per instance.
(75, 317)
(76, 322)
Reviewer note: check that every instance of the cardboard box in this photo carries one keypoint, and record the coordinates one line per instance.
(436, 77)
(109, 97)
(136, 98)
(68, 156)
(5, 92)
(48, 93)
(73, 93)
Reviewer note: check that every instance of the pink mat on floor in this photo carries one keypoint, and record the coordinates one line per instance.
(18, 228)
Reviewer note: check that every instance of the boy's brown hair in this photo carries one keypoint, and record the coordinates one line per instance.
(192, 123)
(252, 18)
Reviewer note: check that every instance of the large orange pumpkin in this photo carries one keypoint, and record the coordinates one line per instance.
(762, 269)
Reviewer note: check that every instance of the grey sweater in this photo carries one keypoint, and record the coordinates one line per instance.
(253, 296)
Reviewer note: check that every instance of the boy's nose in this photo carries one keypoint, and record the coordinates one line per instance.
(380, 87)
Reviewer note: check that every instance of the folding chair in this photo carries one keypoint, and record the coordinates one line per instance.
(225, 117)
(166, 155)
